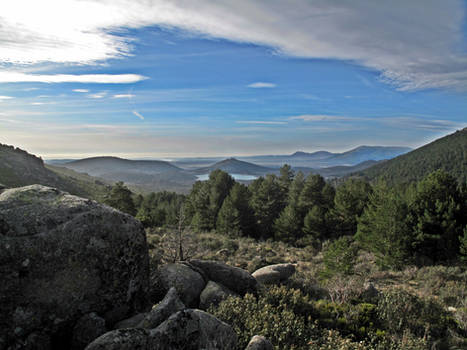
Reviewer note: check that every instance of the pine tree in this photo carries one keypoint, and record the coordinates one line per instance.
(120, 197)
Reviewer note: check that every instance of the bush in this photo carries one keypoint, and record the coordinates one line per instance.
(339, 257)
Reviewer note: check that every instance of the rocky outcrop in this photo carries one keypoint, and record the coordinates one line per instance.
(88, 328)
(185, 330)
(191, 330)
(237, 280)
(162, 311)
(131, 322)
(258, 342)
(274, 274)
(62, 257)
(213, 294)
(188, 283)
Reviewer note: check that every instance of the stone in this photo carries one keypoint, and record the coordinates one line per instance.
(192, 330)
(131, 322)
(237, 280)
(188, 283)
(258, 342)
(121, 339)
(274, 274)
(213, 294)
(88, 328)
(369, 291)
(62, 257)
(160, 312)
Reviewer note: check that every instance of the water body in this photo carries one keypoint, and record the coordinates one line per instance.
(238, 177)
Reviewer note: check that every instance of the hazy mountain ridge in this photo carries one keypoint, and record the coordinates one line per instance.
(448, 153)
(235, 166)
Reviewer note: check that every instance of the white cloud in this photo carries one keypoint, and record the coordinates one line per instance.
(81, 90)
(101, 94)
(414, 44)
(5, 97)
(260, 85)
(265, 122)
(320, 118)
(123, 96)
(136, 113)
(17, 77)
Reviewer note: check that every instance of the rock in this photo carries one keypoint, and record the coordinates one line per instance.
(213, 294)
(188, 283)
(237, 280)
(193, 329)
(274, 274)
(258, 342)
(88, 328)
(168, 306)
(369, 291)
(121, 339)
(63, 256)
(131, 322)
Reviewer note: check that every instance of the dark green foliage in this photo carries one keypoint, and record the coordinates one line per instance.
(350, 200)
(159, 209)
(288, 226)
(448, 153)
(383, 228)
(437, 217)
(339, 257)
(266, 202)
(463, 245)
(121, 198)
(219, 184)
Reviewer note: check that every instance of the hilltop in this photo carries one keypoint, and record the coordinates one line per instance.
(20, 168)
(448, 153)
(235, 166)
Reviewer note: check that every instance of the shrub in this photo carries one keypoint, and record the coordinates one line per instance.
(339, 257)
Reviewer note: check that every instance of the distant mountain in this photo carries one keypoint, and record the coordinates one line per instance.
(149, 175)
(19, 168)
(448, 153)
(323, 159)
(364, 153)
(235, 166)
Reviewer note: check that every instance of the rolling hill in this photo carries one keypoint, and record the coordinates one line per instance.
(19, 168)
(235, 166)
(448, 153)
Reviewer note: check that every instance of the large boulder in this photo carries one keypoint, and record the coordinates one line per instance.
(122, 339)
(192, 330)
(258, 342)
(88, 328)
(62, 257)
(188, 283)
(237, 280)
(274, 274)
(162, 311)
(213, 294)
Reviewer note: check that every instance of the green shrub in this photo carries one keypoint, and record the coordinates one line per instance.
(339, 257)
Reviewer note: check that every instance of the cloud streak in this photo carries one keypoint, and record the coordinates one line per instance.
(414, 44)
(139, 115)
(261, 85)
(17, 77)
(260, 122)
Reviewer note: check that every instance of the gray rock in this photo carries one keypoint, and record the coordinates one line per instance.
(122, 339)
(131, 322)
(88, 328)
(191, 330)
(213, 294)
(168, 306)
(237, 280)
(188, 283)
(369, 291)
(258, 342)
(274, 274)
(63, 256)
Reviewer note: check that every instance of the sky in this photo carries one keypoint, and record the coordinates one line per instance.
(161, 79)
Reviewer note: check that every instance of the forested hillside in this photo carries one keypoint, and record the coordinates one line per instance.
(448, 153)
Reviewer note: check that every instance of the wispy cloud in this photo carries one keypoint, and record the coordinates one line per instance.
(17, 77)
(421, 49)
(5, 98)
(265, 122)
(136, 113)
(81, 90)
(422, 123)
(261, 85)
(123, 96)
(320, 118)
(97, 95)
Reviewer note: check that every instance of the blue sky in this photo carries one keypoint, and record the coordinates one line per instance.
(165, 79)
